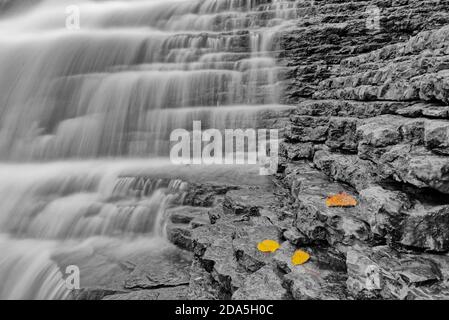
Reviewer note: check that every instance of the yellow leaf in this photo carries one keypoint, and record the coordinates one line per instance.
(268, 246)
(300, 257)
(341, 200)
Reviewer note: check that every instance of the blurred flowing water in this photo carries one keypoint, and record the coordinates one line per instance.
(85, 119)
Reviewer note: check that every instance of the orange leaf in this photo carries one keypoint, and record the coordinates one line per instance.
(341, 200)
(300, 257)
(268, 246)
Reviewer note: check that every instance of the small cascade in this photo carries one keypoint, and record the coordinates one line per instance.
(75, 204)
(28, 272)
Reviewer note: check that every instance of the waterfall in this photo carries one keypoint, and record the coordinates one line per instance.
(86, 114)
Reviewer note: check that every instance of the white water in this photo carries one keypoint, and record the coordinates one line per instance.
(82, 111)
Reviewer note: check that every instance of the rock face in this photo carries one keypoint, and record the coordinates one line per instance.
(359, 47)
(386, 273)
(370, 82)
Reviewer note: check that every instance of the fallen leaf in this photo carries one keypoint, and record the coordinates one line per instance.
(341, 200)
(268, 246)
(300, 257)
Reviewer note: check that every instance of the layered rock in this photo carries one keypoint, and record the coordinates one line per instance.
(330, 31)
(371, 120)
(382, 272)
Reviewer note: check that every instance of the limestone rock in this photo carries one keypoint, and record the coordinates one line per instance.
(380, 131)
(314, 219)
(105, 272)
(322, 278)
(176, 293)
(417, 167)
(247, 202)
(205, 194)
(385, 273)
(427, 229)
(180, 235)
(342, 134)
(185, 214)
(182, 220)
(245, 245)
(307, 129)
(295, 237)
(385, 210)
(213, 248)
(437, 136)
(297, 151)
(263, 284)
(349, 169)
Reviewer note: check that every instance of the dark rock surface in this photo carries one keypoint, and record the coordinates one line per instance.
(162, 269)
(396, 275)
(371, 120)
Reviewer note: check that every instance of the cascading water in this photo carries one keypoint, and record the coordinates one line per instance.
(85, 118)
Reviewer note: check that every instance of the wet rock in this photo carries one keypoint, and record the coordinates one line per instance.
(181, 222)
(437, 136)
(348, 109)
(247, 202)
(321, 278)
(331, 225)
(202, 285)
(349, 169)
(426, 110)
(165, 270)
(185, 214)
(105, 271)
(295, 237)
(263, 284)
(416, 166)
(177, 293)
(433, 86)
(213, 247)
(214, 215)
(385, 273)
(314, 219)
(342, 134)
(297, 151)
(413, 131)
(206, 195)
(374, 110)
(307, 129)
(380, 131)
(227, 249)
(199, 222)
(400, 72)
(427, 229)
(93, 294)
(245, 245)
(385, 210)
(413, 111)
(436, 112)
(180, 235)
